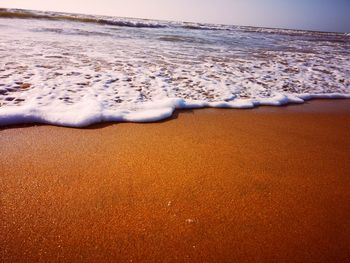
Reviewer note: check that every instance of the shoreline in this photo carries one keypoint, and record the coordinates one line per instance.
(173, 115)
(266, 184)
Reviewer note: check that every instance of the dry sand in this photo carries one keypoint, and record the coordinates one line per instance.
(262, 185)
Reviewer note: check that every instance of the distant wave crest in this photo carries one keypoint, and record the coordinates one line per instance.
(145, 23)
(24, 14)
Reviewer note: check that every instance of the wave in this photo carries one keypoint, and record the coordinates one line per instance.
(144, 75)
(112, 21)
(289, 32)
(199, 26)
(146, 23)
(90, 112)
(25, 14)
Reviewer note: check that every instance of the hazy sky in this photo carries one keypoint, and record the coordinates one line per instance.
(326, 15)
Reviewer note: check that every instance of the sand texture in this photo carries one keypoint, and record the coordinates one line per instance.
(262, 185)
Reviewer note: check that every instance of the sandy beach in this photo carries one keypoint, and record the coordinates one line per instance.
(265, 185)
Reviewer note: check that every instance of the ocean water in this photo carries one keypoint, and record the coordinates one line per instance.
(76, 70)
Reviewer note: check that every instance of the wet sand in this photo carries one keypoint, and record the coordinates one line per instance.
(262, 185)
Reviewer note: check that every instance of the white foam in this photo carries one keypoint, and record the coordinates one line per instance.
(85, 114)
(79, 74)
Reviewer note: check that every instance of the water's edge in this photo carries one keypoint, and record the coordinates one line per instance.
(17, 117)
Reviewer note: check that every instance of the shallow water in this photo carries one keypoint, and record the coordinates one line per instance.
(56, 69)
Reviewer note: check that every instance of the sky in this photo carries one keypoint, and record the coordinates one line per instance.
(322, 15)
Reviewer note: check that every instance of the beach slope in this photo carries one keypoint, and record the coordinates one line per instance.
(262, 185)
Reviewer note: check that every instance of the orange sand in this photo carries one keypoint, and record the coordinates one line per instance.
(263, 185)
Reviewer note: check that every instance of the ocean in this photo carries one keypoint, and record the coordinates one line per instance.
(77, 70)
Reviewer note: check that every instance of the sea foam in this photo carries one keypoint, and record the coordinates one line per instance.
(73, 72)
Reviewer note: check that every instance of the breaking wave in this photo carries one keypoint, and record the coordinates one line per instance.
(57, 71)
